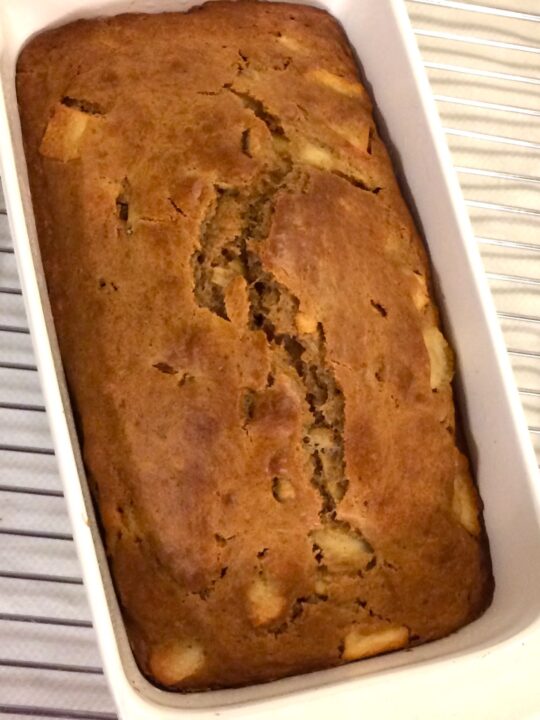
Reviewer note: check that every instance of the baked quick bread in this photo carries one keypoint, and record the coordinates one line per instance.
(242, 302)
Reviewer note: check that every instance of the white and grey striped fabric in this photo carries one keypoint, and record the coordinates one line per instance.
(484, 65)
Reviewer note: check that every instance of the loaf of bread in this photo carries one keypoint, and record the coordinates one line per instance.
(261, 387)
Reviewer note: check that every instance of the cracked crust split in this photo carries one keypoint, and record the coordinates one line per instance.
(275, 310)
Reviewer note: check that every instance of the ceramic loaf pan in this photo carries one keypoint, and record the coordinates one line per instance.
(406, 684)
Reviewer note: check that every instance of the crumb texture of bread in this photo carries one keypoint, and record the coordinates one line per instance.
(244, 311)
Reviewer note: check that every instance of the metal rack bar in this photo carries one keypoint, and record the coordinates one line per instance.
(21, 406)
(10, 291)
(526, 391)
(21, 532)
(57, 667)
(472, 40)
(518, 316)
(524, 353)
(14, 329)
(32, 711)
(474, 72)
(488, 137)
(498, 174)
(62, 622)
(521, 279)
(64, 579)
(513, 244)
(482, 104)
(513, 209)
(483, 9)
(26, 449)
(17, 366)
(30, 491)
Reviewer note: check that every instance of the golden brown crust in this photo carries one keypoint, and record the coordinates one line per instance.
(241, 300)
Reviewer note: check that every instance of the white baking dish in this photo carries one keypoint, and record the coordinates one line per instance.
(487, 670)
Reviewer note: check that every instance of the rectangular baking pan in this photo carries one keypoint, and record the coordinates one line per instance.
(486, 670)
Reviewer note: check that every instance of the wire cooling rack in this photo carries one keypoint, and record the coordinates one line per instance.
(484, 66)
